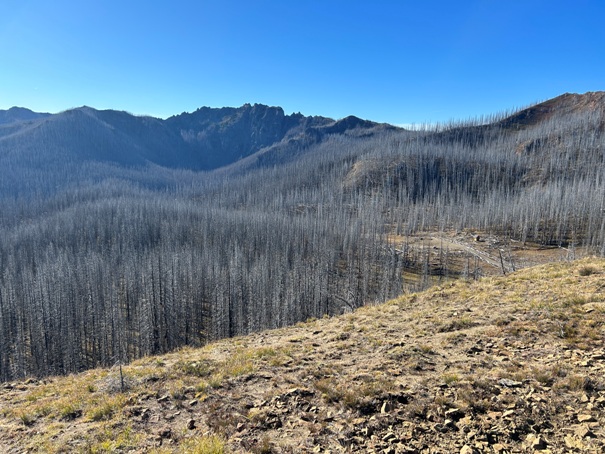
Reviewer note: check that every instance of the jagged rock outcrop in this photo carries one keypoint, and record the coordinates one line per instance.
(206, 139)
(225, 135)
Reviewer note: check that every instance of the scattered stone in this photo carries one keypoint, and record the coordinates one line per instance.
(499, 448)
(389, 437)
(386, 407)
(535, 442)
(508, 413)
(466, 421)
(510, 383)
(165, 432)
(481, 446)
(450, 424)
(466, 449)
(494, 414)
(454, 413)
(193, 402)
(573, 443)
(584, 431)
(474, 350)
(586, 418)
(163, 398)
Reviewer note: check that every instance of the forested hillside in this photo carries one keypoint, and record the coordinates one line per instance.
(121, 236)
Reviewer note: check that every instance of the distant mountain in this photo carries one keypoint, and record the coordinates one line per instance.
(203, 140)
(16, 114)
(238, 139)
(310, 132)
(225, 135)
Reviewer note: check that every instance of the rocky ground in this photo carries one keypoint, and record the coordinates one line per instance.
(501, 365)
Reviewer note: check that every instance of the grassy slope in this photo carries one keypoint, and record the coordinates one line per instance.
(507, 364)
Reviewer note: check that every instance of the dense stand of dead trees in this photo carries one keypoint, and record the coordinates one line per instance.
(131, 262)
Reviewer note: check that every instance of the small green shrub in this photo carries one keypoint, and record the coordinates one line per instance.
(107, 408)
(26, 418)
(588, 270)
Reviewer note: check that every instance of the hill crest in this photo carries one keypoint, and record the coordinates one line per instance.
(567, 103)
(19, 114)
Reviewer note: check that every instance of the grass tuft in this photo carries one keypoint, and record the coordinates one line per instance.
(207, 444)
(588, 270)
(106, 408)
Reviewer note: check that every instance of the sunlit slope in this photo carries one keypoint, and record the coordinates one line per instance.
(507, 364)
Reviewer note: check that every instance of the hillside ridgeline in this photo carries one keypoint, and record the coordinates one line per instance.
(502, 364)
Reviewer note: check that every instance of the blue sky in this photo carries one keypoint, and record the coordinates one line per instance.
(393, 61)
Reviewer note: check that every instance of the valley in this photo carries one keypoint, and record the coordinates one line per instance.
(123, 236)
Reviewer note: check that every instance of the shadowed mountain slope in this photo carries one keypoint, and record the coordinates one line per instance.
(205, 139)
(18, 114)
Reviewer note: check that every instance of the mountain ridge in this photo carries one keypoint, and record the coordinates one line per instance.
(205, 139)
(571, 101)
(211, 138)
(18, 114)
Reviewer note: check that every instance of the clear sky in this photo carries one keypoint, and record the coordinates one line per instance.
(394, 61)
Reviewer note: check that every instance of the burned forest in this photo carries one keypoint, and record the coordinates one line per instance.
(125, 236)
